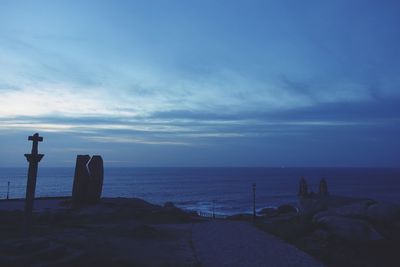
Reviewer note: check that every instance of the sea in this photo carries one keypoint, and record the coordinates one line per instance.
(224, 191)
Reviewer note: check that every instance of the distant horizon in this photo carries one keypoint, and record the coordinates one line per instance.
(255, 167)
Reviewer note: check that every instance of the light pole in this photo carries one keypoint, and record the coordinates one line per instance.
(254, 202)
(8, 190)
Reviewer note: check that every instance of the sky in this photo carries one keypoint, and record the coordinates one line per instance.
(284, 83)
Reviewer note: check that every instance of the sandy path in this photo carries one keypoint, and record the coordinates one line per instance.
(227, 243)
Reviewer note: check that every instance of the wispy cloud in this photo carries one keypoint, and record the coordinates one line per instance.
(180, 77)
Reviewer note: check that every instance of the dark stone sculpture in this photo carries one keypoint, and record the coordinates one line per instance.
(96, 171)
(323, 187)
(303, 190)
(88, 180)
(81, 180)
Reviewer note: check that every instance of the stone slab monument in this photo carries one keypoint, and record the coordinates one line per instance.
(81, 179)
(96, 171)
(88, 180)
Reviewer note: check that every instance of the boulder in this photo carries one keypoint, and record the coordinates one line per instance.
(268, 212)
(384, 212)
(283, 209)
(309, 207)
(358, 210)
(347, 228)
(169, 205)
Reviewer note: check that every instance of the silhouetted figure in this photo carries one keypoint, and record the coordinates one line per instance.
(303, 190)
(323, 187)
(33, 159)
(88, 180)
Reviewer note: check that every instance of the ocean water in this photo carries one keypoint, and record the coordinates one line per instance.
(226, 190)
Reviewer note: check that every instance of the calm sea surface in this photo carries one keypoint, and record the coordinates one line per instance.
(230, 189)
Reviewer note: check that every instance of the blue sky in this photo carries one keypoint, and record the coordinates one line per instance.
(202, 83)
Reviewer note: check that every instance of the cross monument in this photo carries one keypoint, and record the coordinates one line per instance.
(33, 159)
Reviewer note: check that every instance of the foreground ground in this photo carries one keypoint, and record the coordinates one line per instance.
(132, 232)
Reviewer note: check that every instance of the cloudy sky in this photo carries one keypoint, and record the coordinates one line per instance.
(201, 83)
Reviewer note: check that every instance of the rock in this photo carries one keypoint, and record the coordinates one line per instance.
(169, 205)
(357, 210)
(312, 205)
(321, 234)
(240, 217)
(268, 212)
(384, 212)
(347, 228)
(286, 209)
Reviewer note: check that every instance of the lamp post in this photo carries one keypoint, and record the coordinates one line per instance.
(254, 202)
(8, 190)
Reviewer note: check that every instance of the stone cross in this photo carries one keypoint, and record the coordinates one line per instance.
(33, 159)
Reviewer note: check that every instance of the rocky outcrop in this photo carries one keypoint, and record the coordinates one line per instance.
(352, 219)
(383, 212)
(348, 228)
(286, 208)
(268, 212)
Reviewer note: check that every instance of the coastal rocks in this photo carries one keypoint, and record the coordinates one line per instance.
(268, 212)
(384, 212)
(348, 228)
(284, 209)
(357, 210)
(88, 180)
(355, 219)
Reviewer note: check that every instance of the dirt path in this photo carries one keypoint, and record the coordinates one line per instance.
(227, 243)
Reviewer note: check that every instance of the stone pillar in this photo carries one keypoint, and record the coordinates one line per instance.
(303, 190)
(88, 180)
(323, 187)
(96, 171)
(81, 180)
